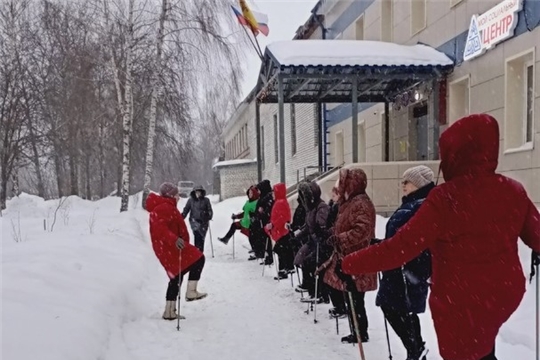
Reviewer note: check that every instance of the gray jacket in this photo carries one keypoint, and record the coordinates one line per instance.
(199, 209)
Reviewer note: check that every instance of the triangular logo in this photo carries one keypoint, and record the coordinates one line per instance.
(473, 46)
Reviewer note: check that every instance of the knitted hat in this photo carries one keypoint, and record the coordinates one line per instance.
(168, 190)
(419, 176)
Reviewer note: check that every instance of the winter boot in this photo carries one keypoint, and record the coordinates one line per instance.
(282, 274)
(351, 339)
(337, 313)
(192, 293)
(224, 240)
(170, 311)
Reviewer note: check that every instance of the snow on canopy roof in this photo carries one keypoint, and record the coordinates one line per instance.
(234, 162)
(355, 53)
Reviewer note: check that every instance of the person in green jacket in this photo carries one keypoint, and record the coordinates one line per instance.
(242, 221)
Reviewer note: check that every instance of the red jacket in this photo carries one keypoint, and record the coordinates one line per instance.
(471, 225)
(166, 226)
(281, 213)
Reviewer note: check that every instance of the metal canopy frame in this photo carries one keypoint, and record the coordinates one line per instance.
(279, 84)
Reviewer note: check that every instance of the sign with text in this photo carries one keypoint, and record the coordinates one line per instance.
(492, 27)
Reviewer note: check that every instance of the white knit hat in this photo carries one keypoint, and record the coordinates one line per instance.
(419, 176)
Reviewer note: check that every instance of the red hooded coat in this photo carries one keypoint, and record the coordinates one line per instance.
(281, 213)
(166, 226)
(471, 225)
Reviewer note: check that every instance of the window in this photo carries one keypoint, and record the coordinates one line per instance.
(359, 28)
(262, 148)
(519, 102)
(387, 20)
(458, 96)
(418, 16)
(276, 140)
(246, 140)
(529, 101)
(293, 129)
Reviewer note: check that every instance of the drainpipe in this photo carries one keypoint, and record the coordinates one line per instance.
(323, 129)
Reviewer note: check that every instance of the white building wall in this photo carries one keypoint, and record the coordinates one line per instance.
(307, 150)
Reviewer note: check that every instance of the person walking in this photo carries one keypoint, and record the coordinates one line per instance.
(200, 213)
(170, 238)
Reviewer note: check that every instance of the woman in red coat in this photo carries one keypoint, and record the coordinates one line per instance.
(277, 229)
(170, 240)
(471, 225)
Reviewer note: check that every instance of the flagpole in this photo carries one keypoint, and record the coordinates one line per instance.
(256, 47)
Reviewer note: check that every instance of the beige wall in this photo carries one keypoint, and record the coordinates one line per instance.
(488, 91)
(384, 187)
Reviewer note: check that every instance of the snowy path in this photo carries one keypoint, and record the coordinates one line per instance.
(246, 316)
(92, 289)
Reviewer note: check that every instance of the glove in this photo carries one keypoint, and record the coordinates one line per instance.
(268, 226)
(180, 243)
(297, 232)
(233, 217)
(350, 285)
(535, 263)
(288, 226)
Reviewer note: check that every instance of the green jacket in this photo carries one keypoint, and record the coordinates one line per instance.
(249, 208)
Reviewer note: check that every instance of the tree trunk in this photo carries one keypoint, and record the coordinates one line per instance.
(37, 166)
(153, 106)
(58, 169)
(73, 174)
(88, 177)
(4, 176)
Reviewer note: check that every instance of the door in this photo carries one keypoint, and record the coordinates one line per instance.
(420, 116)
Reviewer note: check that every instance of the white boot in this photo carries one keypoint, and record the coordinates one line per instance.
(192, 293)
(170, 311)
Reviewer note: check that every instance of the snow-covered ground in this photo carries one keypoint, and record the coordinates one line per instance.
(91, 288)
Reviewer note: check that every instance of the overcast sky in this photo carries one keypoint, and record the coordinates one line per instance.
(284, 18)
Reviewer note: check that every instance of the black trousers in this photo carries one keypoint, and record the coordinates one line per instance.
(360, 310)
(407, 328)
(194, 270)
(199, 240)
(258, 240)
(338, 300)
(284, 251)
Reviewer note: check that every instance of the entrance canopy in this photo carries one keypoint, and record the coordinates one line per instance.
(342, 71)
(325, 70)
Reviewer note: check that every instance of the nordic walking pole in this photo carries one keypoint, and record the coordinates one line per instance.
(386, 328)
(179, 285)
(299, 281)
(211, 242)
(264, 260)
(316, 285)
(356, 327)
(537, 311)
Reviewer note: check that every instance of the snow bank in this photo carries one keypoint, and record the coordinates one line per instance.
(64, 291)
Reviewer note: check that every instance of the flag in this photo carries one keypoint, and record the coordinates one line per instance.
(257, 22)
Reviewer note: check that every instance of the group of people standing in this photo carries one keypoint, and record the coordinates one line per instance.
(319, 235)
(458, 239)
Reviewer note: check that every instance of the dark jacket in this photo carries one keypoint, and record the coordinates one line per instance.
(199, 210)
(299, 217)
(332, 214)
(315, 230)
(393, 293)
(265, 203)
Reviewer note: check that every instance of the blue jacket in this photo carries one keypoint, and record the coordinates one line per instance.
(405, 289)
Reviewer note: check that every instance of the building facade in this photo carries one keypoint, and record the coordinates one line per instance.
(496, 73)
